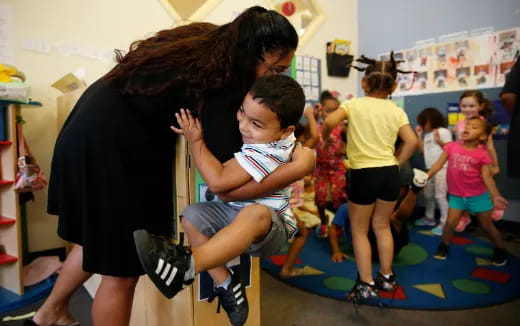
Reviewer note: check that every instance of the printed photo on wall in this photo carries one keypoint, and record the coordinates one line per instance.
(440, 78)
(461, 51)
(462, 76)
(422, 80)
(481, 75)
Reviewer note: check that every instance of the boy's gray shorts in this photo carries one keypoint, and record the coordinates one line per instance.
(211, 217)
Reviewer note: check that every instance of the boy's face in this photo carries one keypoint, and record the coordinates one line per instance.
(328, 107)
(258, 124)
(475, 130)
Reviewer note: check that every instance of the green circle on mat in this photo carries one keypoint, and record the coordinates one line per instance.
(475, 250)
(411, 254)
(338, 283)
(470, 286)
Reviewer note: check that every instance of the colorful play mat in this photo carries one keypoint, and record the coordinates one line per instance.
(466, 279)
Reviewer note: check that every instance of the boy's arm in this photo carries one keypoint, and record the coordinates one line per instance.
(498, 201)
(420, 143)
(219, 177)
(301, 165)
(437, 165)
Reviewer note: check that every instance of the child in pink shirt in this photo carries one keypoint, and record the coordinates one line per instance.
(471, 186)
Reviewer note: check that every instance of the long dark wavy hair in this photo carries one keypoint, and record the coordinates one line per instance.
(201, 56)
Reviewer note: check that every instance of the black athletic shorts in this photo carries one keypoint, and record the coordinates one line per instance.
(367, 185)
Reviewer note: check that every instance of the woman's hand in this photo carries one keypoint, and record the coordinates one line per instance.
(189, 127)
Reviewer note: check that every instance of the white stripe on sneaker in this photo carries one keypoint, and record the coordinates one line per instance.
(237, 295)
(172, 276)
(236, 288)
(160, 264)
(166, 270)
(240, 301)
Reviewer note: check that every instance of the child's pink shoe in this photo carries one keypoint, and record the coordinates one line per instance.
(497, 214)
(463, 222)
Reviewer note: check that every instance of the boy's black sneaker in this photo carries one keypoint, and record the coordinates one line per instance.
(385, 284)
(165, 263)
(362, 291)
(499, 257)
(441, 252)
(234, 300)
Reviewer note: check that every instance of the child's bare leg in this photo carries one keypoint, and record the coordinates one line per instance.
(486, 223)
(251, 225)
(294, 250)
(381, 226)
(359, 224)
(453, 219)
(196, 238)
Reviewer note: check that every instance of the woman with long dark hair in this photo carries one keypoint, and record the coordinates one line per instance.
(112, 166)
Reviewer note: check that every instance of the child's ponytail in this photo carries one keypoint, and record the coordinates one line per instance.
(380, 75)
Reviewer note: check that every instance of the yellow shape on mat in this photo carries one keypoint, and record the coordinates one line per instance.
(483, 261)
(435, 289)
(307, 270)
(427, 232)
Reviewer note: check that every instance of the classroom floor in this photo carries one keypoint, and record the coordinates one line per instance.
(283, 305)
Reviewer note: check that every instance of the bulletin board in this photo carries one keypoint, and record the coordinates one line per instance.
(306, 70)
(480, 62)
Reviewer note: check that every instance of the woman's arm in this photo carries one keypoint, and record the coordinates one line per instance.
(301, 165)
(409, 145)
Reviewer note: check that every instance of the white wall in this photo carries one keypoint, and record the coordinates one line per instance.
(115, 24)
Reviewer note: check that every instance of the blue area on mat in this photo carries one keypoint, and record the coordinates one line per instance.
(12, 301)
(459, 266)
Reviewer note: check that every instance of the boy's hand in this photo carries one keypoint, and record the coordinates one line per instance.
(338, 257)
(499, 202)
(419, 131)
(189, 127)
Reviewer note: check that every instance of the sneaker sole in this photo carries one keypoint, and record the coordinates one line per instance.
(142, 241)
(500, 264)
(440, 257)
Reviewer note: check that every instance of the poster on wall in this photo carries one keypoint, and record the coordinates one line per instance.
(479, 61)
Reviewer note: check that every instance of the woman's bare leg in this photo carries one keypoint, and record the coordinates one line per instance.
(113, 301)
(55, 310)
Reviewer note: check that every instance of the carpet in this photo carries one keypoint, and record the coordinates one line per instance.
(466, 279)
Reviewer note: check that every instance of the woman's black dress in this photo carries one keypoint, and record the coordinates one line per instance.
(112, 169)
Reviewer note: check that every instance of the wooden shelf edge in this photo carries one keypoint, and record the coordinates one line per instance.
(6, 259)
(5, 142)
(6, 182)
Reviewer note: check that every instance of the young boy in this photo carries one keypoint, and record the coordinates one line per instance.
(220, 231)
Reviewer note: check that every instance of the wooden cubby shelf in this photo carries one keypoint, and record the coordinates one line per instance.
(5, 142)
(6, 259)
(6, 182)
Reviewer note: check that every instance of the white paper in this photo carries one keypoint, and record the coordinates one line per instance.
(315, 93)
(307, 90)
(299, 77)
(306, 78)
(306, 63)
(314, 65)
(315, 80)
(299, 62)
(6, 34)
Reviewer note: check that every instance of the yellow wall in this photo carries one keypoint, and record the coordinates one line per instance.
(101, 24)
